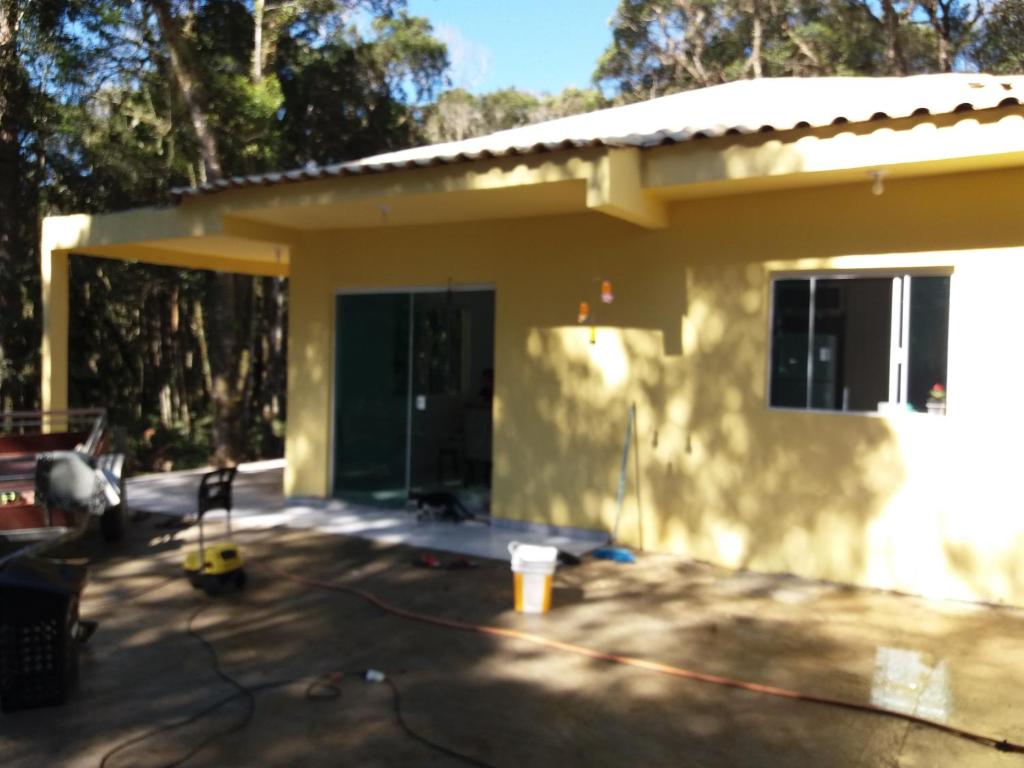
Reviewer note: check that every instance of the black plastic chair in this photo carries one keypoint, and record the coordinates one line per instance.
(215, 493)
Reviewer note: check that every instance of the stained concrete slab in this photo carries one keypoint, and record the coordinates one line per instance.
(260, 504)
(503, 701)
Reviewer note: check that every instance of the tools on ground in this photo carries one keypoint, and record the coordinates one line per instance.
(440, 505)
(610, 551)
(568, 558)
(217, 565)
(427, 560)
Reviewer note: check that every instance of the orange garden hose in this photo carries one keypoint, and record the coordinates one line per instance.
(651, 666)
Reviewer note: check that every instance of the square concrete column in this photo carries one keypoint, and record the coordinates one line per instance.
(54, 379)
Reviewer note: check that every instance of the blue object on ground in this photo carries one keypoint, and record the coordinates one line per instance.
(616, 554)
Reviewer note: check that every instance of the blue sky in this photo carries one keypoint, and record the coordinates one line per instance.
(535, 45)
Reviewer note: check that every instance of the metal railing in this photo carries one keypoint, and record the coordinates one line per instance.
(92, 421)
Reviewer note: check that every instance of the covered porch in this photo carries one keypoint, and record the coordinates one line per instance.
(267, 227)
(163, 236)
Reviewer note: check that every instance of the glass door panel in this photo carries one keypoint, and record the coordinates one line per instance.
(372, 396)
(452, 389)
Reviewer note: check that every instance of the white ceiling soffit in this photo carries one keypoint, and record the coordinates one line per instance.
(742, 107)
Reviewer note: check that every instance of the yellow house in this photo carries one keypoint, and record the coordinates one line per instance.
(796, 264)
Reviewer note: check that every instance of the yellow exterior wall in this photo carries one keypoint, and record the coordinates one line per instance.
(925, 504)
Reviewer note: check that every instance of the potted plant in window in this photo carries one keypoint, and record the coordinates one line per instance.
(936, 400)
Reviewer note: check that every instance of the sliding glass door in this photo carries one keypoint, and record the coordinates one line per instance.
(413, 386)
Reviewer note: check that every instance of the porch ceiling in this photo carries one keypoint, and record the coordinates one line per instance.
(215, 252)
(171, 237)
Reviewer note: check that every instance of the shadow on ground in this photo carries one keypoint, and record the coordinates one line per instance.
(507, 702)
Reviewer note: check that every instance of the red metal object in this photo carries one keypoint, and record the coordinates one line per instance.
(23, 444)
(23, 434)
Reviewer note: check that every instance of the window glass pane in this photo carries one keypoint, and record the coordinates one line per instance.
(929, 335)
(791, 314)
(850, 358)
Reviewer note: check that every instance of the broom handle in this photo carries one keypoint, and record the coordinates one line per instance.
(620, 497)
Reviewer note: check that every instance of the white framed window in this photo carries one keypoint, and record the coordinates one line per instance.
(859, 342)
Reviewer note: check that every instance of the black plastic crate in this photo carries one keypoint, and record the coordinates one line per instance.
(38, 653)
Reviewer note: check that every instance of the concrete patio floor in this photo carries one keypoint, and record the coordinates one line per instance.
(506, 702)
(259, 504)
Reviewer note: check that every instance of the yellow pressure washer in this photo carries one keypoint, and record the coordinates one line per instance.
(218, 565)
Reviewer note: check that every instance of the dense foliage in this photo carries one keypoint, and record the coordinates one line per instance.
(661, 46)
(108, 104)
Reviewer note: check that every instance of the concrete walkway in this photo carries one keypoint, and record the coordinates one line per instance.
(259, 504)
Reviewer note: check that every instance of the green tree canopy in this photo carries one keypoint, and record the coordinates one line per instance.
(663, 46)
(458, 114)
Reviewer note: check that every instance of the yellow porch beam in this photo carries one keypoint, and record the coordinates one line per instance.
(481, 175)
(181, 259)
(615, 188)
(839, 154)
(78, 231)
(199, 238)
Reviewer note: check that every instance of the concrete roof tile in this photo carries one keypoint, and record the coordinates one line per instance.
(742, 107)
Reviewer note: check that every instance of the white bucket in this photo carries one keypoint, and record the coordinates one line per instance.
(532, 569)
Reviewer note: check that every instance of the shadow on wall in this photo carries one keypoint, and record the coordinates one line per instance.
(721, 477)
(994, 577)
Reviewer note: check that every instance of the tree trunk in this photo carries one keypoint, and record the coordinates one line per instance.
(227, 336)
(257, 41)
(896, 63)
(176, 353)
(756, 39)
(189, 86)
(941, 22)
(10, 88)
(230, 296)
(199, 330)
(805, 48)
(9, 77)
